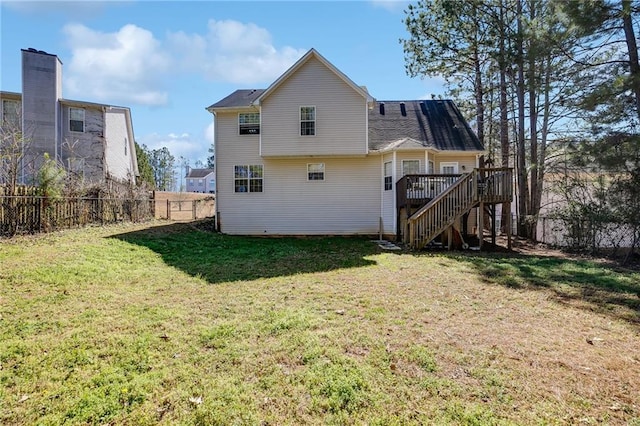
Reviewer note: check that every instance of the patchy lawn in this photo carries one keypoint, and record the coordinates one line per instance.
(169, 324)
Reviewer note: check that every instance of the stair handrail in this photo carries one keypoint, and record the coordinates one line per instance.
(430, 206)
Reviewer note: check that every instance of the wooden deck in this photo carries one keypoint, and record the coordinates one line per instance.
(440, 200)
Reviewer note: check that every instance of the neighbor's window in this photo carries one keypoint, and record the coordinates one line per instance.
(388, 178)
(249, 123)
(432, 167)
(76, 119)
(449, 168)
(410, 167)
(126, 142)
(315, 171)
(11, 113)
(307, 121)
(248, 178)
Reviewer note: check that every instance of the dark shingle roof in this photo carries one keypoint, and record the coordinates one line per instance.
(432, 123)
(239, 98)
(199, 173)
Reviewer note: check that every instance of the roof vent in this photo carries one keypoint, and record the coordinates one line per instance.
(381, 108)
(423, 107)
(403, 109)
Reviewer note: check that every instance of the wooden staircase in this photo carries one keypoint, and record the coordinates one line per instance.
(480, 187)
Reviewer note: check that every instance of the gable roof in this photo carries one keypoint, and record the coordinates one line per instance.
(239, 98)
(436, 124)
(312, 53)
(199, 173)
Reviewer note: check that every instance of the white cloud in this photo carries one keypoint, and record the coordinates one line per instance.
(232, 51)
(132, 67)
(179, 145)
(123, 67)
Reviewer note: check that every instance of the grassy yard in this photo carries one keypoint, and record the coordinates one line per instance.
(170, 324)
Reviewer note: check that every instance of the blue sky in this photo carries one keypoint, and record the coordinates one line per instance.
(168, 60)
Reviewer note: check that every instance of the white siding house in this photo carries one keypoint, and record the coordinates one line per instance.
(93, 141)
(315, 154)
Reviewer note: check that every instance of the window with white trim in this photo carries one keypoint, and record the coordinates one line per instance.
(307, 121)
(249, 123)
(450, 168)
(76, 119)
(410, 167)
(432, 167)
(388, 178)
(248, 178)
(315, 171)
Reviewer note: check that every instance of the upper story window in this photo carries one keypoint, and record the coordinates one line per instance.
(410, 167)
(76, 119)
(11, 113)
(249, 123)
(388, 177)
(315, 171)
(307, 121)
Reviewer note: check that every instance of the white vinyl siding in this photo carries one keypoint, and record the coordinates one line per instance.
(290, 205)
(340, 115)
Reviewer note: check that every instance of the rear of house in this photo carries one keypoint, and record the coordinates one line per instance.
(315, 154)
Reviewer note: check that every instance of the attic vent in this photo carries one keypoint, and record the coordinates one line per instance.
(403, 109)
(381, 108)
(423, 107)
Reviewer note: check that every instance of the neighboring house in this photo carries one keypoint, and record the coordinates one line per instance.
(93, 141)
(315, 154)
(201, 180)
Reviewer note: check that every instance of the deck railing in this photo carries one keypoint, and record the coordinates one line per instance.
(479, 186)
(421, 188)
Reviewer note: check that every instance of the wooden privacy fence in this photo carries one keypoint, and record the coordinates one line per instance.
(29, 214)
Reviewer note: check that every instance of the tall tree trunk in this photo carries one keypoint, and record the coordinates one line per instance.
(634, 66)
(533, 121)
(523, 191)
(504, 108)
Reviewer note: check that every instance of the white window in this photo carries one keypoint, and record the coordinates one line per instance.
(307, 121)
(449, 168)
(249, 123)
(432, 167)
(200, 182)
(76, 119)
(11, 113)
(388, 178)
(315, 171)
(410, 167)
(190, 181)
(248, 178)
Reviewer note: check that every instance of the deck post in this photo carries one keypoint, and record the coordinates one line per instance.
(493, 224)
(480, 224)
(508, 225)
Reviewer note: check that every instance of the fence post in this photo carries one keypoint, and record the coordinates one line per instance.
(168, 209)
(194, 209)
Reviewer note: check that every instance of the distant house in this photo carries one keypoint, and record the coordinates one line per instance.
(315, 154)
(91, 140)
(201, 180)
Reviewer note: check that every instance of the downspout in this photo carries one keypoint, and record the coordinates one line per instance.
(105, 171)
(381, 196)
